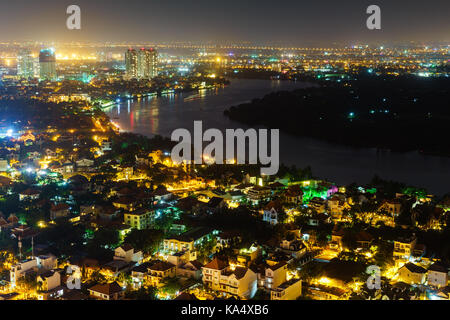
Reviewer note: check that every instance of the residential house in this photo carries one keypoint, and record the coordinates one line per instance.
(9, 223)
(140, 219)
(190, 269)
(240, 281)
(412, 274)
(337, 204)
(364, 239)
(247, 255)
(317, 204)
(139, 275)
(68, 167)
(336, 239)
(289, 290)
(275, 275)
(126, 203)
(50, 285)
(188, 240)
(160, 270)
(437, 275)
(323, 292)
(215, 204)
(126, 253)
(271, 212)
(84, 162)
(29, 194)
(109, 291)
(296, 248)
(40, 263)
(442, 294)
(59, 210)
(49, 280)
(115, 267)
(107, 212)
(226, 239)
(294, 195)
(212, 272)
(393, 207)
(403, 247)
(161, 194)
(258, 194)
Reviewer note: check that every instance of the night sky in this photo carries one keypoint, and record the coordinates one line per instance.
(296, 22)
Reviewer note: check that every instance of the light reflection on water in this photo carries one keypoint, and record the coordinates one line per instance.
(161, 115)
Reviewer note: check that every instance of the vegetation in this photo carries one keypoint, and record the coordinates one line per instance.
(352, 113)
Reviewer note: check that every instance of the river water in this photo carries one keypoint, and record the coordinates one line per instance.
(340, 164)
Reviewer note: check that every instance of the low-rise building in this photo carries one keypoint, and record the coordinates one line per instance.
(289, 290)
(59, 210)
(139, 219)
(437, 275)
(159, 271)
(239, 281)
(403, 248)
(188, 240)
(126, 253)
(412, 274)
(109, 291)
(258, 193)
(317, 204)
(272, 211)
(393, 207)
(275, 275)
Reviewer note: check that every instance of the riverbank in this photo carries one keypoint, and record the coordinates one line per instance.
(402, 115)
(106, 103)
(342, 164)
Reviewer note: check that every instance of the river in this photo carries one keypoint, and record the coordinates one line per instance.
(340, 164)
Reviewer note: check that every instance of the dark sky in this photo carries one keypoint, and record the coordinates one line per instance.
(258, 21)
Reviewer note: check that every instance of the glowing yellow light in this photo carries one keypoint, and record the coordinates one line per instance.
(42, 224)
(324, 280)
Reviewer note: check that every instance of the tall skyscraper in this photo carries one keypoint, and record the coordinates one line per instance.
(25, 64)
(142, 64)
(47, 64)
(147, 63)
(131, 63)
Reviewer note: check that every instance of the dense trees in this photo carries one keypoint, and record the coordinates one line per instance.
(64, 238)
(146, 240)
(353, 113)
(143, 293)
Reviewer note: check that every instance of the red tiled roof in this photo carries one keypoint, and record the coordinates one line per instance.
(59, 206)
(216, 264)
(108, 289)
(30, 192)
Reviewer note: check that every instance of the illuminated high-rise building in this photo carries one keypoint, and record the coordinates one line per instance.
(131, 63)
(47, 64)
(25, 64)
(147, 62)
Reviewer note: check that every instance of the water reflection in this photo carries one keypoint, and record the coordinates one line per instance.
(161, 115)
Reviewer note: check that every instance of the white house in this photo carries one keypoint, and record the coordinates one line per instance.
(126, 253)
(271, 212)
(437, 275)
(85, 163)
(289, 290)
(219, 276)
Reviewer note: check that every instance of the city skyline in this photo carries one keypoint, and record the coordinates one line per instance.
(255, 151)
